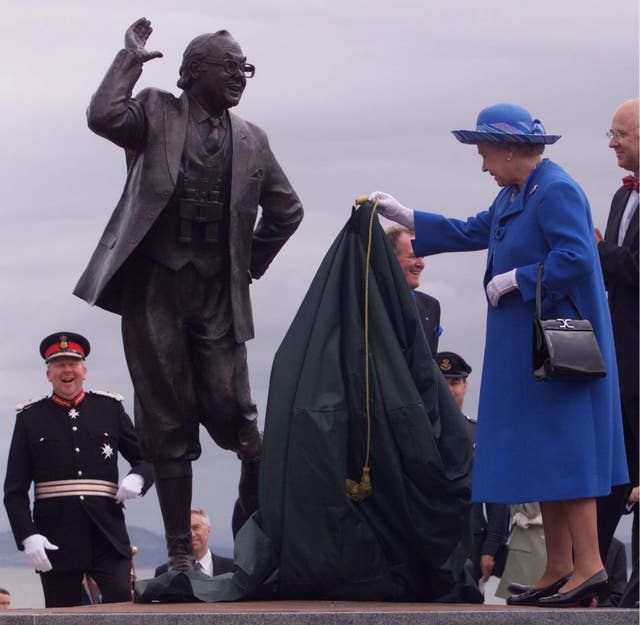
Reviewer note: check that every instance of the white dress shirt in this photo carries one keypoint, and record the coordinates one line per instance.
(632, 204)
(206, 563)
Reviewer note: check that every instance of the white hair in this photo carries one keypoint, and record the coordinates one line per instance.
(205, 517)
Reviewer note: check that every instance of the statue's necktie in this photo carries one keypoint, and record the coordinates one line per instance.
(212, 142)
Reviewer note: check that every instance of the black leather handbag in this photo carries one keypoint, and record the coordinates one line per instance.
(564, 349)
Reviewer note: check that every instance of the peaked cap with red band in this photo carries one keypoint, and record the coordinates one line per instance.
(67, 344)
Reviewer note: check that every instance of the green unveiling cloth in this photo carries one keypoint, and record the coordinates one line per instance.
(309, 540)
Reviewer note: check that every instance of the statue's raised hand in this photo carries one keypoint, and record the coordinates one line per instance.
(136, 37)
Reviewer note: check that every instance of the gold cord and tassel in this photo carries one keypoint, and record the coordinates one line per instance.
(358, 491)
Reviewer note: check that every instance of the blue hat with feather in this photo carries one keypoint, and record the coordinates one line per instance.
(505, 123)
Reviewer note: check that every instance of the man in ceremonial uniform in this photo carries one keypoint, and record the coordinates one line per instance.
(490, 521)
(67, 445)
(178, 255)
(412, 266)
(618, 251)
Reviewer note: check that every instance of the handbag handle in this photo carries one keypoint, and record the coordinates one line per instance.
(539, 296)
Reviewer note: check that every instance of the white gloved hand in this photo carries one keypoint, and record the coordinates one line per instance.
(390, 208)
(522, 520)
(130, 487)
(500, 285)
(34, 548)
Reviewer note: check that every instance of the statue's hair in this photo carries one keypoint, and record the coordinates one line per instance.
(196, 51)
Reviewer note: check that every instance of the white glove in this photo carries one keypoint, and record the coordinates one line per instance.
(390, 208)
(522, 520)
(34, 548)
(130, 487)
(500, 285)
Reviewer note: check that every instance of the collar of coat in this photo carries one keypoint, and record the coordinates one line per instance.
(68, 403)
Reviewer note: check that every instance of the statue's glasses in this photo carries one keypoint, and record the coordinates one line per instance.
(231, 66)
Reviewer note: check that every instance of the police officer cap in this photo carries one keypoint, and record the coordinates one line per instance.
(452, 365)
(67, 344)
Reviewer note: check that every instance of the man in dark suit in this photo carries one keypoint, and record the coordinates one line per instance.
(67, 445)
(489, 522)
(618, 251)
(178, 255)
(206, 561)
(412, 266)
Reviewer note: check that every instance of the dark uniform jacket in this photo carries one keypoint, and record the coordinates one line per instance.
(429, 310)
(151, 128)
(54, 442)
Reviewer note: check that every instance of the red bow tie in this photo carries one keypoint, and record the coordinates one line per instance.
(630, 183)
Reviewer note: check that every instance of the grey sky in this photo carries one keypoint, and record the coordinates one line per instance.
(355, 95)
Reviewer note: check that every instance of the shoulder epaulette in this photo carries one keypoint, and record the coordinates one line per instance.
(29, 403)
(115, 396)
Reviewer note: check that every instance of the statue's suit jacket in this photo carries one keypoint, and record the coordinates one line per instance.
(152, 130)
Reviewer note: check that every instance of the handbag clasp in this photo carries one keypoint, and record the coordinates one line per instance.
(565, 324)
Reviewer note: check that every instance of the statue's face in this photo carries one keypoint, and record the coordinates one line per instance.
(221, 81)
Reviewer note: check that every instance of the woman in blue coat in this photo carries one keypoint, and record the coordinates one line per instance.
(557, 442)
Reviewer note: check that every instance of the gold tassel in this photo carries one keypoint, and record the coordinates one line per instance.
(360, 491)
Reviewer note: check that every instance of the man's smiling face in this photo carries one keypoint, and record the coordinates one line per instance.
(411, 264)
(66, 376)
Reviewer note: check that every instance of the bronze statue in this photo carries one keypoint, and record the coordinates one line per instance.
(178, 255)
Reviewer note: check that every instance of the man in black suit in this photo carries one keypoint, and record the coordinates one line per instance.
(67, 445)
(412, 266)
(178, 255)
(489, 523)
(206, 561)
(618, 251)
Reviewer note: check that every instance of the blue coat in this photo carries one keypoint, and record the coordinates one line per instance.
(538, 441)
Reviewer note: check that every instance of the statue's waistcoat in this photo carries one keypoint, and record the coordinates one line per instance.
(194, 226)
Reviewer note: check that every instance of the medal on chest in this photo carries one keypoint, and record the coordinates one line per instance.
(106, 450)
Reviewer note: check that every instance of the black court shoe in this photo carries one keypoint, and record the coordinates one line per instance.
(596, 587)
(517, 589)
(531, 595)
